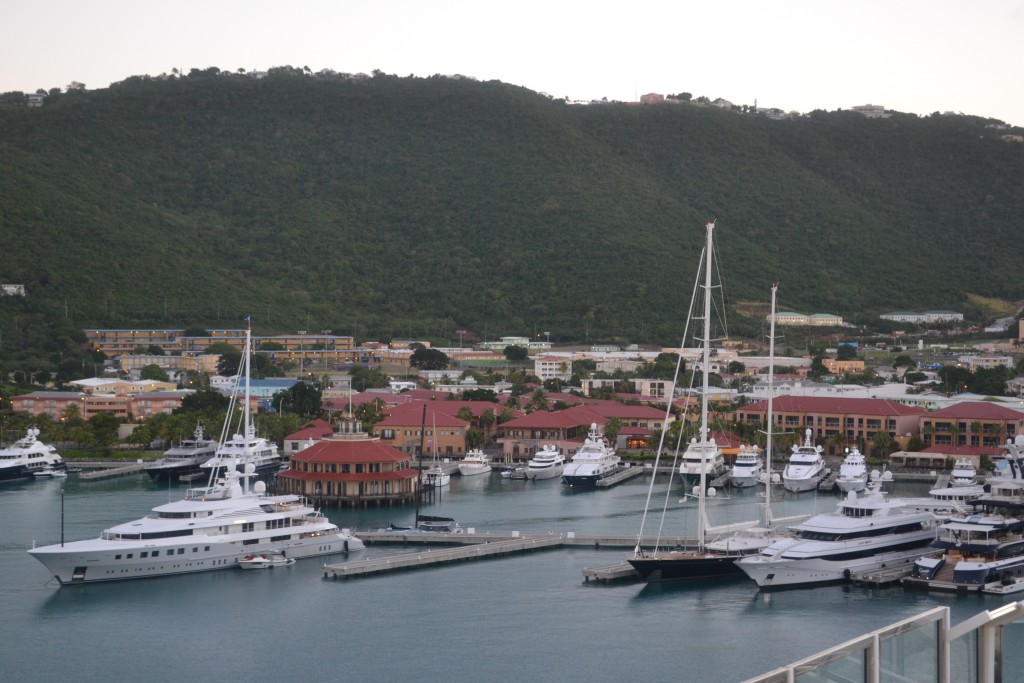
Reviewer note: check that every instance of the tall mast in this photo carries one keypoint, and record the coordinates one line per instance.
(771, 415)
(705, 443)
(247, 448)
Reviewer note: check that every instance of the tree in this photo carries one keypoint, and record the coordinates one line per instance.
(612, 429)
(846, 352)
(480, 395)
(736, 367)
(883, 441)
(305, 399)
(514, 353)
(204, 401)
(153, 372)
(428, 359)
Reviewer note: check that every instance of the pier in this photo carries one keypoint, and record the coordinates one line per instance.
(474, 546)
(623, 571)
(106, 472)
(619, 477)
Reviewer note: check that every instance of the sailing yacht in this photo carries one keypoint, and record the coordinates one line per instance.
(435, 476)
(703, 562)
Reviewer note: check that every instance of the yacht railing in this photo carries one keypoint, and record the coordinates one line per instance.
(923, 648)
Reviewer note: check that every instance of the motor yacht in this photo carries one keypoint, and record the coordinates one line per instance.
(475, 462)
(547, 463)
(806, 466)
(748, 468)
(185, 458)
(28, 455)
(594, 461)
(853, 473)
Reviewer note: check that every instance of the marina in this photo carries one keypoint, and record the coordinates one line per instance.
(532, 597)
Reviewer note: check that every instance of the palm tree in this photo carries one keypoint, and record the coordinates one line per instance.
(976, 430)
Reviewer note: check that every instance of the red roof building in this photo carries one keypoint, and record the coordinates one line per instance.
(971, 423)
(350, 468)
(522, 437)
(307, 436)
(852, 418)
(413, 426)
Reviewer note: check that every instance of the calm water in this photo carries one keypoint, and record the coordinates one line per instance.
(523, 618)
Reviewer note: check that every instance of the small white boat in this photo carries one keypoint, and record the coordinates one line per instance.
(265, 561)
(475, 462)
(436, 477)
(50, 473)
(853, 473)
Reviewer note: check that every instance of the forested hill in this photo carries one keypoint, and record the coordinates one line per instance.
(408, 206)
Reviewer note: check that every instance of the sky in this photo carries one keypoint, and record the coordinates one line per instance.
(911, 56)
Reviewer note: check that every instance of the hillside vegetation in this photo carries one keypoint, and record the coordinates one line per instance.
(415, 207)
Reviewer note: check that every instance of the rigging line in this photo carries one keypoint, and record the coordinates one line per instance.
(668, 409)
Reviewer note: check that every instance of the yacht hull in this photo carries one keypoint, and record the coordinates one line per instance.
(744, 481)
(686, 566)
(98, 560)
(806, 572)
(548, 473)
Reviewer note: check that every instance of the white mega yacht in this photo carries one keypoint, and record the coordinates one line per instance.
(594, 461)
(547, 463)
(213, 527)
(28, 455)
(862, 534)
(475, 462)
(184, 458)
(748, 468)
(806, 467)
(853, 473)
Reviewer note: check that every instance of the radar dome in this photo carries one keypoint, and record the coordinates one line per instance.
(259, 487)
(250, 468)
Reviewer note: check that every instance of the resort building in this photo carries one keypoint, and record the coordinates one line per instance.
(522, 437)
(417, 428)
(836, 422)
(973, 423)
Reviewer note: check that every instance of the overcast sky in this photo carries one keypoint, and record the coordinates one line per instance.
(909, 55)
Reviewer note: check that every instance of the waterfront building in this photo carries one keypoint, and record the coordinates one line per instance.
(414, 426)
(522, 437)
(971, 423)
(349, 468)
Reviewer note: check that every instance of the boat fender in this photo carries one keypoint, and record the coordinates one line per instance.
(847, 574)
(346, 546)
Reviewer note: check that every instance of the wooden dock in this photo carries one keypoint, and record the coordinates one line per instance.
(435, 557)
(109, 472)
(413, 537)
(620, 477)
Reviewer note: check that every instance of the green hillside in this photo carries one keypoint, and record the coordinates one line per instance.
(404, 206)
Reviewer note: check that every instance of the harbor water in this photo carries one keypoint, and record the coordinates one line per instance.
(518, 618)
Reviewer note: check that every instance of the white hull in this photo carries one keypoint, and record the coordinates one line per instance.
(100, 560)
(804, 483)
(857, 484)
(469, 470)
(743, 481)
(802, 572)
(552, 472)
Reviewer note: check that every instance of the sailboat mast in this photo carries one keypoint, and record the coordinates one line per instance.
(247, 449)
(771, 415)
(705, 444)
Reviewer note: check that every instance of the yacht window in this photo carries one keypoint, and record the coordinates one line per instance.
(129, 556)
(144, 554)
(117, 557)
(156, 553)
(195, 550)
(181, 551)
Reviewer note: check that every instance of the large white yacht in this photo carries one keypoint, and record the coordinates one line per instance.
(184, 458)
(28, 455)
(863, 534)
(748, 468)
(547, 463)
(211, 528)
(475, 462)
(699, 456)
(964, 473)
(245, 448)
(853, 473)
(806, 467)
(594, 461)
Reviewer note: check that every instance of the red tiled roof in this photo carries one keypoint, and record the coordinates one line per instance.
(979, 410)
(365, 451)
(413, 414)
(635, 431)
(348, 476)
(835, 406)
(317, 429)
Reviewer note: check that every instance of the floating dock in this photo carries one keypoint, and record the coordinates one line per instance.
(623, 571)
(109, 472)
(434, 557)
(620, 477)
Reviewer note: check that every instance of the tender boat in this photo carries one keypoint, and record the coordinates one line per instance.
(266, 561)
(475, 462)
(547, 463)
(748, 468)
(806, 467)
(853, 473)
(435, 477)
(212, 527)
(184, 459)
(28, 455)
(50, 473)
(594, 461)
(862, 534)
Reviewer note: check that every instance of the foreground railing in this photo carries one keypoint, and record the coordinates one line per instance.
(923, 649)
